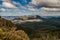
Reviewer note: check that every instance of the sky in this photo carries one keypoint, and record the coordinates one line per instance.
(30, 7)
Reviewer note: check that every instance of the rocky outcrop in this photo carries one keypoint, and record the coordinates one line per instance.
(8, 31)
(16, 35)
(6, 23)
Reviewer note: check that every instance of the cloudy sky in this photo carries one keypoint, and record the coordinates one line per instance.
(30, 7)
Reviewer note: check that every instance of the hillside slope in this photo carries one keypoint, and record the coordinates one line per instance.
(8, 31)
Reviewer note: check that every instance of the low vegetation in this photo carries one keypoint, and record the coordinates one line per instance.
(47, 30)
(8, 31)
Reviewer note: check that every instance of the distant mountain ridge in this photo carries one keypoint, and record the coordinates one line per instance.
(37, 17)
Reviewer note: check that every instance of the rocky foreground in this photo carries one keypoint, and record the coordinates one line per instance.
(8, 31)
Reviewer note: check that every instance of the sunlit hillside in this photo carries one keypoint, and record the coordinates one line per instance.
(8, 31)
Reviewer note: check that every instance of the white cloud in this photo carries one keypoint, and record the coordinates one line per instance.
(8, 5)
(2, 10)
(51, 9)
(48, 5)
(52, 3)
(32, 8)
(14, 2)
(6, 0)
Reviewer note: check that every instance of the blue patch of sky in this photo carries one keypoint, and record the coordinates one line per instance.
(0, 2)
(22, 2)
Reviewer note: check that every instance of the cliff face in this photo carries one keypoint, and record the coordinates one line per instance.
(8, 31)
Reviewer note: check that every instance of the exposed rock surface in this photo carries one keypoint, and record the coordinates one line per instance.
(8, 31)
